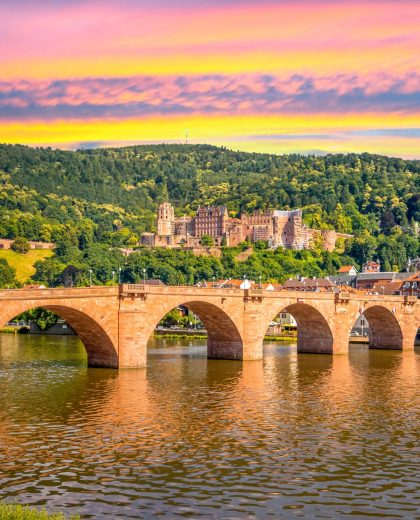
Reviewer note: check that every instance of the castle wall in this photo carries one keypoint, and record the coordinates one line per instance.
(6, 243)
(279, 228)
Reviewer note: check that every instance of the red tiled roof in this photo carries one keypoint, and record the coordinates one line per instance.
(415, 277)
(346, 268)
(308, 283)
(387, 287)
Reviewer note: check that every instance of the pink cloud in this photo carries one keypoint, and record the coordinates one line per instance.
(139, 30)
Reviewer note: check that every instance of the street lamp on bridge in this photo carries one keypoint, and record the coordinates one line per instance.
(90, 277)
(144, 276)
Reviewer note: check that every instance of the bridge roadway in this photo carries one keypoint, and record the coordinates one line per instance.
(115, 323)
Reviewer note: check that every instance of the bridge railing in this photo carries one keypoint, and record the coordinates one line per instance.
(342, 296)
(133, 287)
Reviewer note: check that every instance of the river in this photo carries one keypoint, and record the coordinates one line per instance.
(292, 436)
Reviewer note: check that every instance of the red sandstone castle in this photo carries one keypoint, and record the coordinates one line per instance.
(278, 228)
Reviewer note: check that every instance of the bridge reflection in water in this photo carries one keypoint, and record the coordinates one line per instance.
(320, 435)
(115, 323)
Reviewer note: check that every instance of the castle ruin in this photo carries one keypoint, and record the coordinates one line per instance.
(278, 228)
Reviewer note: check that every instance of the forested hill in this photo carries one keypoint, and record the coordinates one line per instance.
(136, 178)
(112, 194)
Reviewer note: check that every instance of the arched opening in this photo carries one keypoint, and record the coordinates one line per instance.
(313, 332)
(381, 327)
(360, 330)
(224, 340)
(99, 346)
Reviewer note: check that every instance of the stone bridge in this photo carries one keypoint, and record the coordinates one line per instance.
(115, 323)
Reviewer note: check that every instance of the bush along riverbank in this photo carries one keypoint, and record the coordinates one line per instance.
(14, 330)
(19, 512)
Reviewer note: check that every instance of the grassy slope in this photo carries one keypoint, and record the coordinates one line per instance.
(24, 264)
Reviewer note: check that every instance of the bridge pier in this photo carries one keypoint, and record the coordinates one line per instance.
(382, 340)
(100, 360)
(409, 336)
(339, 327)
(252, 333)
(132, 339)
(223, 349)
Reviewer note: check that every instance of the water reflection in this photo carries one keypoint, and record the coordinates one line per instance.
(290, 436)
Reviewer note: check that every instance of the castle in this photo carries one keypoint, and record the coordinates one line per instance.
(278, 228)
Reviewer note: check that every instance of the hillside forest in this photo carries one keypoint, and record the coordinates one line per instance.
(91, 203)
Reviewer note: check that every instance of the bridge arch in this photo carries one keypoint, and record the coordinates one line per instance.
(384, 329)
(224, 339)
(100, 347)
(314, 332)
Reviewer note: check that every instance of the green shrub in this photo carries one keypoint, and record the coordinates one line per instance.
(21, 245)
(18, 512)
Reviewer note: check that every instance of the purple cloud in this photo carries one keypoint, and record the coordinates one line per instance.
(143, 96)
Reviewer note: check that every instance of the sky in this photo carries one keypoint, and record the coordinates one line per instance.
(279, 76)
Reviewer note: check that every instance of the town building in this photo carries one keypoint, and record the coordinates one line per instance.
(378, 282)
(361, 326)
(285, 318)
(413, 265)
(309, 284)
(278, 228)
(348, 270)
(344, 279)
(411, 285)
(371, 267)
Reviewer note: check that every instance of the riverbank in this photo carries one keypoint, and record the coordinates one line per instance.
(285, 338)
(197, 334)
(202, 334)
(18, 512)
(9, 330)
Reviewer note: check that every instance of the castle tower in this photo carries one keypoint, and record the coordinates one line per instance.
(297, 232)
(165, 219)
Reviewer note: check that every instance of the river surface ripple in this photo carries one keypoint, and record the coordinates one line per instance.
(292, 436)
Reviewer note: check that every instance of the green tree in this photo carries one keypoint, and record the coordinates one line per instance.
(7, 275)
(259, 245)
(42, 317)
(207, 240)
(21, 245)
(48, 271)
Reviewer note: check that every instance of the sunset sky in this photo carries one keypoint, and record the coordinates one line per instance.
(269, 76)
